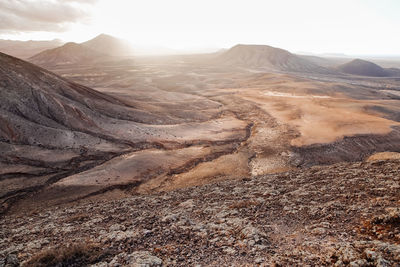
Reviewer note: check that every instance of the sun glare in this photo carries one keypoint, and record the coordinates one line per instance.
(354, 27)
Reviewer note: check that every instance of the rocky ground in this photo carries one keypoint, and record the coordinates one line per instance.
(343, 215)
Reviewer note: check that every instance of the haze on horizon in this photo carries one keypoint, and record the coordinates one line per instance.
(359, 27)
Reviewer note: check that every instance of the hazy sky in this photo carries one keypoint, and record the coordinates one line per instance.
(336, 26)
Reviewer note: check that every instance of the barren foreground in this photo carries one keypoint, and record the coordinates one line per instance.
(337, 215)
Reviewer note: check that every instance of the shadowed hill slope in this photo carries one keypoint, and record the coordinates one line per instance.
(34, 98)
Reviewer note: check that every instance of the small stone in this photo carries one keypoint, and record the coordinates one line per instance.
(188, 204)
(259, 260)
(358, 263)
(381, 262)
(100, 264)
(143, 259)
(117, 227)
(12, 261)
(230, 251)
(170, 218)
(318, 231)
(370, 254)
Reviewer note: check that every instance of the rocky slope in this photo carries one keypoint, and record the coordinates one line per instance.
(342, 215)
(269, 58)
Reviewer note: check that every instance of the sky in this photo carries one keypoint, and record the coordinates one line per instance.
(353, 27)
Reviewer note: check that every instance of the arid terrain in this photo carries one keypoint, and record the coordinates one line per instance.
(341, 215)
(206, 158)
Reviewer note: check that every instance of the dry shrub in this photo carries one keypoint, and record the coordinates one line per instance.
(80, 254)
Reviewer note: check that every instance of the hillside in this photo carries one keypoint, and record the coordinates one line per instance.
(109, 45)
(268, 57)
(51, 128)
(345, 214)
(55, 135)
(68, 54)
(366, 68)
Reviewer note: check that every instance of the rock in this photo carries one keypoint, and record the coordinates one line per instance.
(381, 262)
(143, 259)
(259, 260)
(100, 264)
(318, 231)
(119, 236)
(230, 251)
(371, 255)
(170, 218)
(12, 261)
(33, 245)
(358, 263)
(188, 204)
(117, 227)
(252, 233)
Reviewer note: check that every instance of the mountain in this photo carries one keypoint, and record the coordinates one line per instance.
(366, 68)
(26, 49)
(109, 45)
(70, 53)
(267, 57)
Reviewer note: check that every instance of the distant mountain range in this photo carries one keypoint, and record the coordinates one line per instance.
(26, 49)
(268, 58)
(262, 57)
